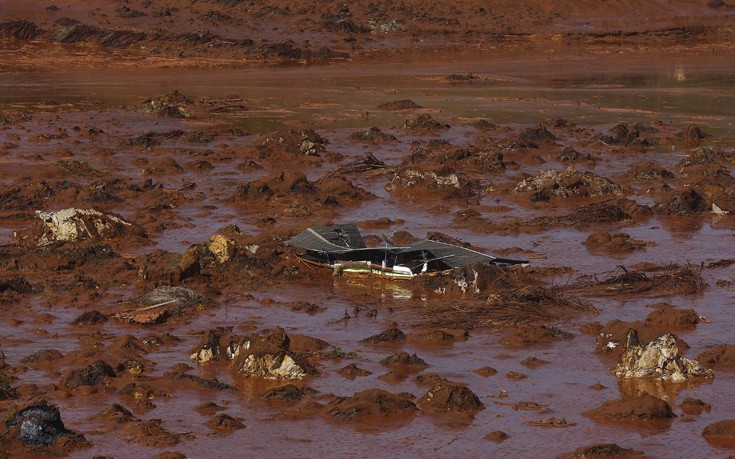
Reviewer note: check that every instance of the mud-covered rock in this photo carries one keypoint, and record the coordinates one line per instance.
(39, 424)
(403, 104)
(449, 396)
(658, 359)
(374, 135)
(694, 406)
(72, 225)
(688, 202)
(613, 243)
(303, 143)
(603, 451)
(352, 371)
(44, 355)
(369, 403)
(93, 317)
(172, 105)
(721, 432)
(424, 121)
(288, 392)
(532, 335)
(117, 413)
(643, 408)
(719, 357)
(404, 359)
(498, 436)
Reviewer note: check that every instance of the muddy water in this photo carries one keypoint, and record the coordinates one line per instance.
(336, 100)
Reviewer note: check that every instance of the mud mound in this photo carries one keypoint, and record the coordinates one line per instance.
(404, 359)
(531, 335)
(366, 164)
(373, 135)
(603, 241)
(295, 143)
(719, 357)
(150, 433)
(624, 134)
(665, 318)
(369, 403)
(224, 423)
(352, 371)
(643, 408)
(694, 406)
(648, 172)
(96, 373)
(570, 183)
(449, 396)
(530, 138)
(414, 182)
(603, 451)
(467, 159)
(688, 202)
(90, 318)
(424, 121)
(163, 303)
(288, 392)
(404, 104)
(19, 30)
(721, 433)
(676, 280)
(44, 355)
(391, 334)
(171, 105)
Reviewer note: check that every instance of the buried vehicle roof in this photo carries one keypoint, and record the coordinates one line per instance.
(343, 241)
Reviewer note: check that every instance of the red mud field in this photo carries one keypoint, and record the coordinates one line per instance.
(156, 156)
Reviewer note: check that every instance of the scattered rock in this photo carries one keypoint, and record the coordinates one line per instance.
(92, 375)
(404, 359)
(389, 335)
(269, 357)
(40, 424)
(352, 371)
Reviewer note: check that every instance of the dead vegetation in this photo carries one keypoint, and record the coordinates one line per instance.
(674, 280)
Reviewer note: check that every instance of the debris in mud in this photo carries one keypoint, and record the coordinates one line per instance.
(40, 424)
(449, 396)
(172, 105)
(404, 104)
(366, 164)
(569, 183)
(225, 423)
(410, 180)
(295, 143)
(369, 403)
(643, 408)
(624, 134)
(163, 303)
(649, 172)
(72, 225)
(426, 122)
(604, 451)
(269, 357)
(659, 359)
(676, 280)
(688, 202)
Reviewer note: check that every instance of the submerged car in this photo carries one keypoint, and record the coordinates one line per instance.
(342, 249)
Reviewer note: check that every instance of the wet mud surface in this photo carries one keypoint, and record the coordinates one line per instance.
(147, 296)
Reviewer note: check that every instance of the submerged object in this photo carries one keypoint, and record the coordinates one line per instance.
(342, 248)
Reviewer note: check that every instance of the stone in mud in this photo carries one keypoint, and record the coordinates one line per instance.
(404, 359)
(44, 355)
(269, 357)
(603, 451)
(530, 138)
(225, 423)
(92, 375)
(389, 335)
(688, 202)
(39, 424)
(450, 396)
(658, 359)
(93, 317)
(216, 345)
(208, 408)
(72, 225)
(370, 402)
(533, 362)
(643, 408)
(486, 371)
(352, 371)
(721, 433)
(164, 302)
(719, 357)
(694, 406)
(623, 134)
